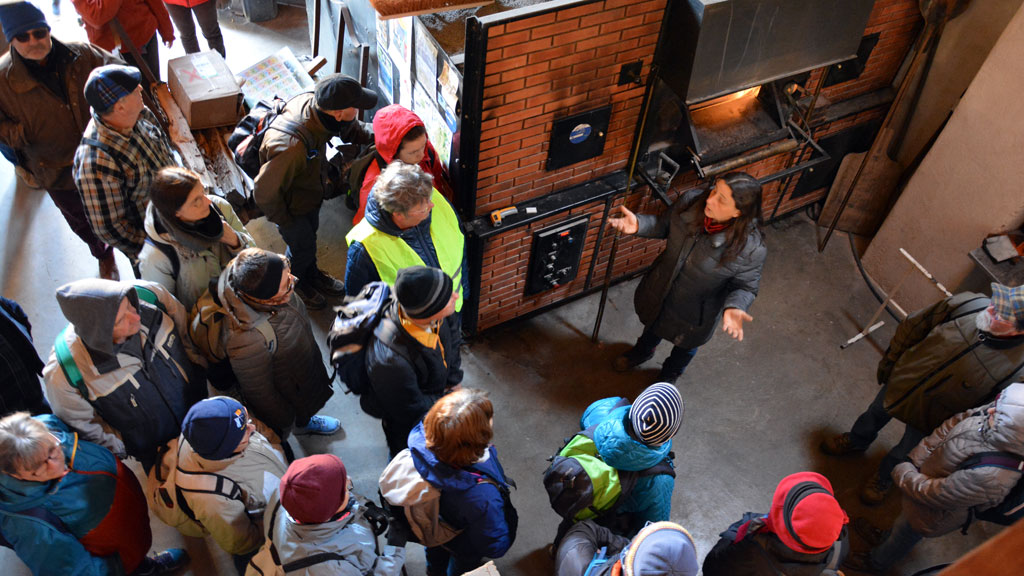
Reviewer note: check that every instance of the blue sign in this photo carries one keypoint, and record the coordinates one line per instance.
(580, 133)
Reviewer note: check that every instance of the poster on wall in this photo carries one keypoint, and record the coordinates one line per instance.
(417, 73)
(400, 50)
(385, 74)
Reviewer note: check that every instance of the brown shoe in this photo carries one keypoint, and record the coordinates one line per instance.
(108, 268)
(875, 490)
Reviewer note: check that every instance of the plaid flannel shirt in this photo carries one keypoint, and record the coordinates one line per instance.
(114, 178)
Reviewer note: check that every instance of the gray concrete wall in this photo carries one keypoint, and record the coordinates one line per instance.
(967, 187)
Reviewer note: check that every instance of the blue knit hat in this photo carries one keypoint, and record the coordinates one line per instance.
(21, 17)
(214, 427)
(108, 84)
(656, 414)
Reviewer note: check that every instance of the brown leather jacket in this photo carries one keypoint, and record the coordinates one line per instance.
(44, 129)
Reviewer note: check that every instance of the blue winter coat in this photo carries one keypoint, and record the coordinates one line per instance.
(651, 498)
(81, 499)
(475, 507)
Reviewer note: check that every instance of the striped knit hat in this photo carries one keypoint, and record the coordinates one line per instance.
(657, 413)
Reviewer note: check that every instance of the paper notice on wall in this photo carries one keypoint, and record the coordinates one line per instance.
(400, 50)
(385, 74)
(426, 58)
(437, 129)
(382, 31)
(204, 67)
(449, 80)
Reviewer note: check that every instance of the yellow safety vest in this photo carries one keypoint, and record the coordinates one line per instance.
(391, 253)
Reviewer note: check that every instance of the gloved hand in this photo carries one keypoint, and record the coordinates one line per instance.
(398, 532)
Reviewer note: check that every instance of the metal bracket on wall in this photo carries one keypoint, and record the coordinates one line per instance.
(659, 184)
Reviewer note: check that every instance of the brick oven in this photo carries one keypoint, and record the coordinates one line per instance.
(552, 109)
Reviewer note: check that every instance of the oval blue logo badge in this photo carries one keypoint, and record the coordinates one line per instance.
(580, 133)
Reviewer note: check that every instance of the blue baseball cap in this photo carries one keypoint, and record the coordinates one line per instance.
(108, 84)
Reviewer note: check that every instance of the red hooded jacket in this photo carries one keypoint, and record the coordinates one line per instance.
(390, 125)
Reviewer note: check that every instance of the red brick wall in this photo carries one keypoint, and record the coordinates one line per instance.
(552, 65)
(539, 67)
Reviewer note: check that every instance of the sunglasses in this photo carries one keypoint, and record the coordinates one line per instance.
(38, 34)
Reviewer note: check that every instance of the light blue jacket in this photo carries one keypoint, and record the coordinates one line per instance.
(651, 498)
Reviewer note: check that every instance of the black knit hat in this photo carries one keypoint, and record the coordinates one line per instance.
(422, 291)
(339, 92)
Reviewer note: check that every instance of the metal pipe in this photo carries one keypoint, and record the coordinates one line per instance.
(629, 184)
(748, 158)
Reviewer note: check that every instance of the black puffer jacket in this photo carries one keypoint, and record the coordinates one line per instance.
(763, 554)
(688, 287)
(406, 378)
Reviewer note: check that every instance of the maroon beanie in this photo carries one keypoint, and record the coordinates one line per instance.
(313, 488)
(805, 514)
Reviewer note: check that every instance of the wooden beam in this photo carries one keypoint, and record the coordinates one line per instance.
(998, 556)
(388, 9)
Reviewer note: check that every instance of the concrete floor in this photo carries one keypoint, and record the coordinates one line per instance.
(755, 410)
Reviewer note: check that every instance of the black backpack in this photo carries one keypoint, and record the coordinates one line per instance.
(246, 139)
(580, 485)
(356, 173)
(1011, 508)
(354, 323)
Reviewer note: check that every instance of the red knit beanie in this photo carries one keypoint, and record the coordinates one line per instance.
(805, 515)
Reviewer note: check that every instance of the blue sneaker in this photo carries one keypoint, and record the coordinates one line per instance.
(322, 425)
(164, 562)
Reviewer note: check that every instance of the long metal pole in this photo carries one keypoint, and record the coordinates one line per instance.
(615, 240)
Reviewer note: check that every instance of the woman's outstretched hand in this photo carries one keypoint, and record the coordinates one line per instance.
(732, 322)
(625, 222)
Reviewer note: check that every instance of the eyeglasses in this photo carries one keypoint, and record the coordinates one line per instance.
(38, 34)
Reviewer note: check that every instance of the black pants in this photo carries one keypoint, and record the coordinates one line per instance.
(150, 53)
(206, 15)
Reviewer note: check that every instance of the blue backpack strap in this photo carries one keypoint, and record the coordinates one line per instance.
(600, 557)
(1006, 460)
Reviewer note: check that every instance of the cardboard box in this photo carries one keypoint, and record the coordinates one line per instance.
(205, 90)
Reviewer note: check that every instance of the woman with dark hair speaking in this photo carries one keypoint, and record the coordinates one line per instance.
(710, 267)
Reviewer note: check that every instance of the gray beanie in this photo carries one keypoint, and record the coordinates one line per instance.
(661, 549)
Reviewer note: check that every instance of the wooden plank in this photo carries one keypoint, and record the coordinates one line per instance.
(388, 9)
(997, 556)
(181, 136)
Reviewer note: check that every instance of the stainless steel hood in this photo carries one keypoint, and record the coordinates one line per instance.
(715, 47)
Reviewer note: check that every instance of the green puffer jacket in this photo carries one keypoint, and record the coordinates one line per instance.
(939, 363)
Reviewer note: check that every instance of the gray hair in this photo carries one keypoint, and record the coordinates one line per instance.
(402, 187)
(23, 443)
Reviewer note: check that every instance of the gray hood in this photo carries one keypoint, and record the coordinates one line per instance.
(90, 305)
(1007, 432)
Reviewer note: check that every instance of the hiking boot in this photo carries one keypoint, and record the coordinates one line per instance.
(631, 359)
(868, 532)
(860, 562)
(840, 445)
(163, 562)
(108, 267)
(668, 377)
(321, 425)
(874, 490)
(311, 297)
(328, 285)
